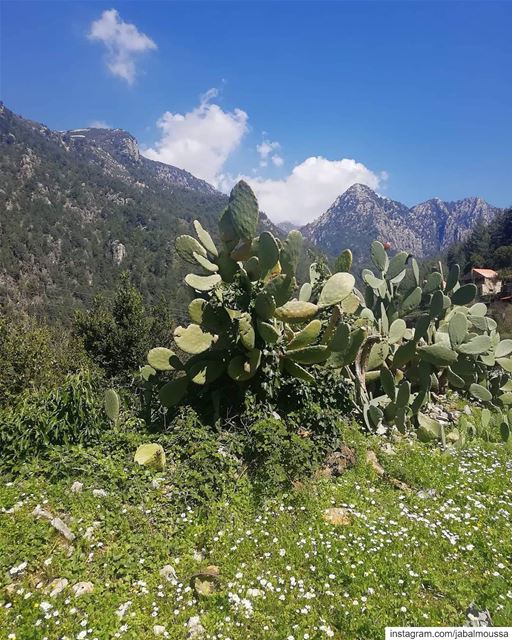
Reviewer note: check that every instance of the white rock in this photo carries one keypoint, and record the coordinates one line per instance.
(158, 630)
(81, 588)
(77, 487)
(21, 567)
(63, 529)
(57, 586)
(195, 628)
(198, 555)
(57, 523)
(168, 572)
(99, 493)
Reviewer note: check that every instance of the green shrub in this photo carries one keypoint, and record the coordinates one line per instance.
(72, 413)
(276, 454)
(35, 356)
(117, 333)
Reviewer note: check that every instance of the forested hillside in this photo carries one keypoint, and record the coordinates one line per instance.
(489, 246)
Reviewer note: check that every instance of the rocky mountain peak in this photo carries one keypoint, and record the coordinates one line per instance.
(119, 143)
(359, 215)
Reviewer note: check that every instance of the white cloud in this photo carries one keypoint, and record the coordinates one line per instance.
(266, 152)
(123, 42)
(201, 140)
(99, 124)
(310, 189)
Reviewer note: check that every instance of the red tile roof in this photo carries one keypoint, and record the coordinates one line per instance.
(485, 273)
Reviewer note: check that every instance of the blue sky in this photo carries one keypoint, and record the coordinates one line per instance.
(413, 98)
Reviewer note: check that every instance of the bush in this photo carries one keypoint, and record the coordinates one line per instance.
(276, 454)
(70, 414)
(34, 357)
(117, 333)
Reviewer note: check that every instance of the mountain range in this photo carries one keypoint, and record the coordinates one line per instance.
(77, 207)
(359, 216)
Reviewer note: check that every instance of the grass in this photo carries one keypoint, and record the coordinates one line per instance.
(417, 557)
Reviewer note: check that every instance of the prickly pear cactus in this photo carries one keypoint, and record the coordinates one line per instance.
(247, 313)
(418, 337)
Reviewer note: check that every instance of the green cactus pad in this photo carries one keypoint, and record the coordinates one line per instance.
(192, 339)
(147, 372)
(340, 340)
(205, 239)
(372, 281)
(205, 371)
(412, 300)
(429, 429)
(479, 309)
(305, 292)
(253, 269)
(216, 319)
(296, 311)
(297, 371)
(305, 337)
(397, 265)
(242, 252)
(280, 288)
(350, 304)
(397, 330)
(243, 210)
(437, 354)
(344, 261)
(290, 253)
(159, 358)
(268, 252)
(477, 345)
(112, 405)
(504, 348)
(336, 289)
(242, 369)
(378, 354)
(453, 278)
(265, 305)
(227, 230)
(437, 304)
(173, 392)
(388, 383)
(314, 273)
(309, 355)
(480, 392)
(454, 379)
(404, 354)
(186, 246)
(268, 332)
(457, 329)
(404, 394)
(150, 455)
(247, 334)
(434, 282)
(505, 363)
(415, 271)
(205, 263)
(195, 310)
(379, 256)
(421, 328)
(357, 337)
(465, 294)
(227, 266)
(203, 283)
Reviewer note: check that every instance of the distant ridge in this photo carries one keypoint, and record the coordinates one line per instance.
(359, 215)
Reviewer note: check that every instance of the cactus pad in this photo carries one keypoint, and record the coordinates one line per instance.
(192, 339)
